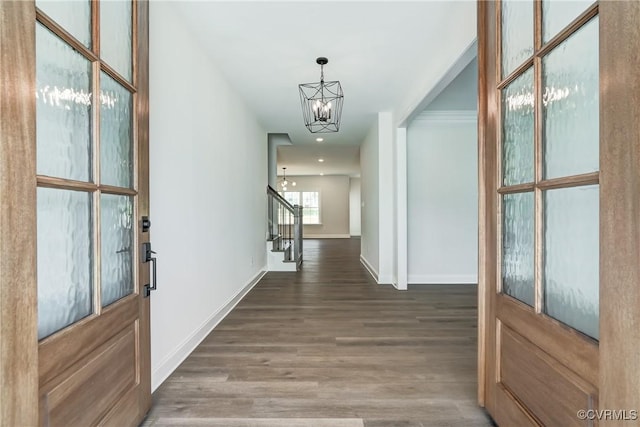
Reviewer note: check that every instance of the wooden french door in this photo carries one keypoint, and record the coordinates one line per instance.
(559, 204)
(81, 186)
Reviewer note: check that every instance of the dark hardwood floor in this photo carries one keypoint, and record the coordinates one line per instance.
(329, 347)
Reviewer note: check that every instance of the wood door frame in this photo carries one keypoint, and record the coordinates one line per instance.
(619, 361)
(620, 206)
(18, 185)
(18, 286)
(142, 111)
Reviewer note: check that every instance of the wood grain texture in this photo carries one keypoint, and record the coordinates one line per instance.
(482, 190)
(18, 315)
(565, 344)
(548, 389)
(328, 345)
(570, 181)
(509, 412)
(66, 184)
(61, 351)
(142, 132)
(620, 206)
(488, 166)
(96, 384)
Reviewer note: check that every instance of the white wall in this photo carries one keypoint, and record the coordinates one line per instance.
(334, 204)
(456, 35)
(387, 199)
(442, 198)
(354, 207)
(370, 206)
(209, 238)
(460, 93)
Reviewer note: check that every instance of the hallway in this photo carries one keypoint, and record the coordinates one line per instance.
(329, 347)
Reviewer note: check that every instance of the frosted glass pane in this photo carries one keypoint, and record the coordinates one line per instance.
(72, 15)
(571, 257)
(65, 288)
(517, 246)
(517, 34)
(63, 109)
(116, 148)
(517, 130)
(557, 14)
(116, 239)
(570, 105)
(115, 35)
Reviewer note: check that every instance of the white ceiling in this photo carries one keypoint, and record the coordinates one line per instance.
(303, 159)
(380, 51)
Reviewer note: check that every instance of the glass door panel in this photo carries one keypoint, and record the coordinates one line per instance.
(63, 108)
(570, 105)
(518, 246)
(117, 242)
(571, 257)
(557, 14)
(518, 130)
(517, 33)
(544, 237)
(65, 251)
(73, 213)
(571, 143)
(115, 36)
(116, 144)
(73, 16)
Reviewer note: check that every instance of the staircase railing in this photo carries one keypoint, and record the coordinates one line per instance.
(285, 227)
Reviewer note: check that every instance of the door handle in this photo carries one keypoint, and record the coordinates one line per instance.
(147, 255)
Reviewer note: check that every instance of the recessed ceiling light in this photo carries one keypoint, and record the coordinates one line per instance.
(321, 173)
(319, 139)
(321, 160)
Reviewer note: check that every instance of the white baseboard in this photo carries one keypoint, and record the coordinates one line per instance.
(398, 287)
(443, 279)
(184, 349)
(385, 279)
(369, 268)
(327, 236)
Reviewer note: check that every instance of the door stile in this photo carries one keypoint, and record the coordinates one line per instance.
(141, 66)
(486, 200)
(18, 286)
(620, 207)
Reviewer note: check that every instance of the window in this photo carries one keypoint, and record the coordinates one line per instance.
(310, 204)
(292, 197)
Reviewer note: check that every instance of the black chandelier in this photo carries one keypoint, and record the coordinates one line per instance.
(321, 103)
